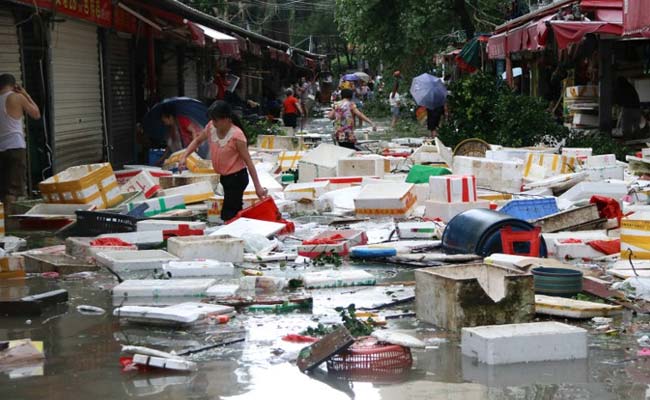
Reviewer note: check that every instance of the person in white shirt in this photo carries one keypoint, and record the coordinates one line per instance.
(395, 103)
(14, 103)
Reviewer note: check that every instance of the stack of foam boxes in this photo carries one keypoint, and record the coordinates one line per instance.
(450, 195)
(603, 167)
(540, 166)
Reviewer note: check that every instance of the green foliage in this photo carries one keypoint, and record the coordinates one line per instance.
(484, 107)
(356, 326)
(328, 258)
(601, 143)
(261, 127)
(377, 107)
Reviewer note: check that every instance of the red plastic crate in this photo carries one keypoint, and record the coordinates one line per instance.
(265, 210)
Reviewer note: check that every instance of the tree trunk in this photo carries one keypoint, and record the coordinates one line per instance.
(465, 18)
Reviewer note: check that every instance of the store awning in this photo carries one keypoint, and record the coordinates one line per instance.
(216, 36)
(496, 47)
(636, 18)
(573, 32)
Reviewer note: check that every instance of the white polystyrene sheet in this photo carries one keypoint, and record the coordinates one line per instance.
(184, 313)
(162, 288)
(183, 269)
(134, 260)
(327, 155)
(242, 226)
(337, 278)
(341, 200)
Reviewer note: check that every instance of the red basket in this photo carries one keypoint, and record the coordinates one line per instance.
(265, 210)
(377, 360)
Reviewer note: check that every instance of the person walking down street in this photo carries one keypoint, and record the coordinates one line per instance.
(307, 99)
(230, 157)
(433, 119)
(14, 103)
(395, 103)
(343, 114)
(290, 109)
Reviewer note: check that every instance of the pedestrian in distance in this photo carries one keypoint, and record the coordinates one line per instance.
(290, 110)
(230, 157)
(15, 102)
(395, 104)
(343, 114)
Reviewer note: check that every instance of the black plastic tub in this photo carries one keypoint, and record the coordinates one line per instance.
(560, 282)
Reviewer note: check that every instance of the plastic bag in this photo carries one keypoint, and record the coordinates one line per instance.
(258, 244)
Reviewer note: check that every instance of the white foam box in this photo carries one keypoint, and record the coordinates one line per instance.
(243, 226)
(446, 211)
(341, 182)
(218, 247)
(166, 225)
(603, 160)
(396, 199)
(198, 268)
(510, 154)
(162, 287)
(422, 193)
(417, 230)
(584, 191)
(551, 238)
(569, 250)
(280, 142)
(337, 278)
(361, 166)
(142, 182)
(222, 290)
(453, 188)
(598, 174)
(306, 190)
(192, 193)
(159, 205)
(580, 153)
(427, 154)
(522, 343)
(321, 162)
(266, 180)
(140, 238)
(80, 247)
(635, 236)
(124, 175)
(134, 260)
(503, 176)
(289, 160)
(178, 314)
(554, 164)
(173, 364)
(351, 238)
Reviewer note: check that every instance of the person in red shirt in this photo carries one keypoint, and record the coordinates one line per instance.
(290, 109)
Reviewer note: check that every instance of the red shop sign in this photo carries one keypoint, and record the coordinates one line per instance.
(99, 12)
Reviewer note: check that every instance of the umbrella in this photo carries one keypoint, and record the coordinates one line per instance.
(363, 76)
(185, 106)
(350, 77)
(429, 91)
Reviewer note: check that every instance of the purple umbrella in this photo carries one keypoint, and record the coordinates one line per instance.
(429, 91)
(350, 77)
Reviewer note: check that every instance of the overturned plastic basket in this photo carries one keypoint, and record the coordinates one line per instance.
(372, 363)
(95, 223)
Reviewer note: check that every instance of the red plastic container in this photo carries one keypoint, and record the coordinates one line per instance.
(183, 230)
(510, 237)
(378, 359)
(265, 210)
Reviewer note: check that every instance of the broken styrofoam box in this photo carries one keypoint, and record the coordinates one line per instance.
(162, 287)
(427, 154)
(598, 174)
(123, 176)
(280, 142)
(179, 314)
(160, 205)
(603, 160)
(446, 211)
(453, 188)
(214, 247)
(553, 163)
(449, 296)
(511, 154)
(172, 364)
(570, 308)
(418, 230)
(361, 166)
(242, 226)
(506, 260)
(337, 278)
(503, 176)
(215, 205)
(261, 284)
(142, 182)
(585, 236)
(396, 199)
(192, 193)
(521, 343)
(266, 180)
(289, 160)
(222, 290)
(198, 268)
(321, 162)
(575, 249)
(341, 182)
(80, 247)
(134, 260)
(306, 190)
(445, 152)
(408, 141)
(341, 200)
(635, 236)
(139, 238)
(332, 241)
(167, 225)
(580, 153)
(585, 190)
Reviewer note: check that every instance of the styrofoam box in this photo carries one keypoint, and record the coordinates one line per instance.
(173, 364)
(635, 235)
(139, 238)
(322, 161)
(492, 174)
(511, 154)
(222, 290)
(178, 314)
(422, 193)
(452, 188)
(186, 269)
(645, 152)
(540, 166)
(80, 247)
(192, 193)
(385, 199)
(584, 191)
(134, 260)
(337, 278)
(446, 211)
(341, 182)
(550, 238)
(306, 190)
(242, 226)
(603, 160)
(159, 205)
(417, 230)
(426, 154)
(217, 247)
(520, 343)
(361, 166)
(165, 225)
(597, 174)
(580, 153)
(162, 287)
(142, 182)
(266, 180)
(575, 251)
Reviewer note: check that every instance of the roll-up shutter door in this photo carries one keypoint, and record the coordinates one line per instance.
(190, 79)
(169, 75)
(78, 118)
(9, 49)
(121, 112)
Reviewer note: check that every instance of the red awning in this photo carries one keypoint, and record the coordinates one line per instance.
(609, 15)
(496, 47)
(198, 36)
(573, 32)
(515, 40)
(229, 49)
(587, 4)
(636, 18)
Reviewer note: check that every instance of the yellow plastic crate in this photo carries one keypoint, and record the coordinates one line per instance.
(194, 163)
(84, 184)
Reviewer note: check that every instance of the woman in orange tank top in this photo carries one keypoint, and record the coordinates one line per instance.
(230, 157)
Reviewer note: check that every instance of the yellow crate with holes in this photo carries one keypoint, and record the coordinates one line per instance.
(193, 163)
(84, 184)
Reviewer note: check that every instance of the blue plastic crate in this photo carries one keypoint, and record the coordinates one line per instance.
(155, 155)
(529, 209)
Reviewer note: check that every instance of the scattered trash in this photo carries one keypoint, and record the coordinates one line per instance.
(90, 310)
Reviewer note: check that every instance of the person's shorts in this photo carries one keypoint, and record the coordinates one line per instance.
(13, 172)
(434, 117)
(394, 111)
(290, 120)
